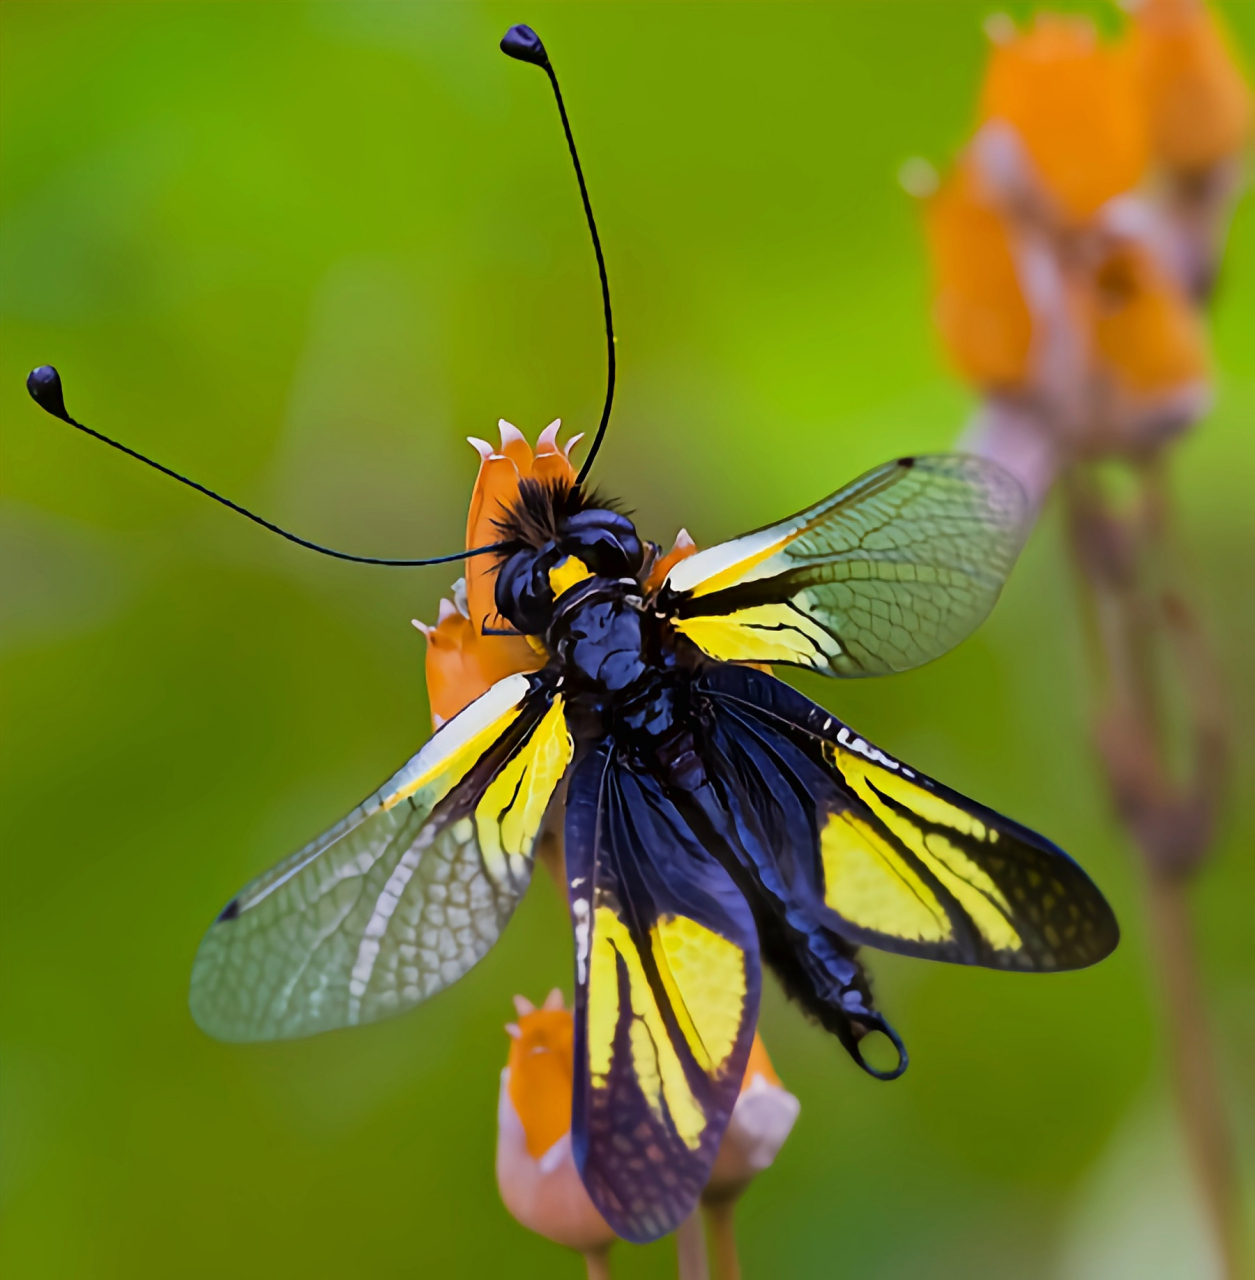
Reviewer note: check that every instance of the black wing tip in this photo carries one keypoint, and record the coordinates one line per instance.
(229, 912)
(907, 462)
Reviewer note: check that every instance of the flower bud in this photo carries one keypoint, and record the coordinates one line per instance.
(536, 1171)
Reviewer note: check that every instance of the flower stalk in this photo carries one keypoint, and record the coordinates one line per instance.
(1167, 786)
(1075, 245)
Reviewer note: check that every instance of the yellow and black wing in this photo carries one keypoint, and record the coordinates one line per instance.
(901, 862)
(667, 989)
(887, 573)
(405, 894)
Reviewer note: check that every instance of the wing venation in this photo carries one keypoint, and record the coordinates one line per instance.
(404, 895)
(887, 573)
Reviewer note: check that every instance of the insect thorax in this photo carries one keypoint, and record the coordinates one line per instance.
(572, 575)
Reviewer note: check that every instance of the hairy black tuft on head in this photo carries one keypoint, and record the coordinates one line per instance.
(537, 516)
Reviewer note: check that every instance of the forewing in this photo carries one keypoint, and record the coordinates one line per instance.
(405, 894)
(908, 865)
(667, 988)
(887, 573)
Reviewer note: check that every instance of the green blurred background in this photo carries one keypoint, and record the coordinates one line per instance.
(300, 252)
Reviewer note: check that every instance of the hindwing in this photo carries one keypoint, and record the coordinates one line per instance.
(905, 864)
(667, 989)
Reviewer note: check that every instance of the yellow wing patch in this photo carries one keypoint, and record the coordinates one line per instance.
(509, 815)
(451, 752)
(762, 633)
(704, 976)
(969, 883)
(655, 1062)
(867, 882)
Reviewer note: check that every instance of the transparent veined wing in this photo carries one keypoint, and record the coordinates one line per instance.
(405, 894)
(887, 573)
(905, 864)
(666, 997)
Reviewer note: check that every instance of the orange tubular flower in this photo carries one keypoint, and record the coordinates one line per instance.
(980, 308)
(1144, 329)
(762, 1119)
(463, 662)
(536, 1172)
(1062, 291)
(1074, 103)
(1197, 102)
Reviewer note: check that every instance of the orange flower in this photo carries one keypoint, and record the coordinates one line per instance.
(762, 1119)
(1074, 103)
(536, 1172)
(1196, 100)
(463, 662)
(496, 487)
(1060, 292)
(980, 307)
(1144, 329)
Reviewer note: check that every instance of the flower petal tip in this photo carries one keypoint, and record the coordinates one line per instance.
(446, 611)
(999, 28)
(510, 434)
(481, 447)
(572, 442)
(547, 442)
(918, 177)
(683, 540)
(554, 1000)
(513, 1030)
(523, 1006)
(423, 627)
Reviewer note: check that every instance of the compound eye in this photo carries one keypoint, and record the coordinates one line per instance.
(523, 594)
(606, 541)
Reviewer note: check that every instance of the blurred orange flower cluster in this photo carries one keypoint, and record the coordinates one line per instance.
(1077, 234)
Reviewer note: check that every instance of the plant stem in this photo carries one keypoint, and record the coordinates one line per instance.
(722, 1228)
(1137, 618)
(597, 1263)
(1193, 1066)
(690, 1249)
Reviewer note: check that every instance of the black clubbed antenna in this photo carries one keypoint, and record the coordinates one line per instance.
(44, 385)
(522, 43)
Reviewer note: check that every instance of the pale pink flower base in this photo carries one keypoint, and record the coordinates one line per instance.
(762, 1119)
(545, 1194)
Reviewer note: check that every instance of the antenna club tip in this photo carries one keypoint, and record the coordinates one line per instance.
(44, 385)
(522, 43)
